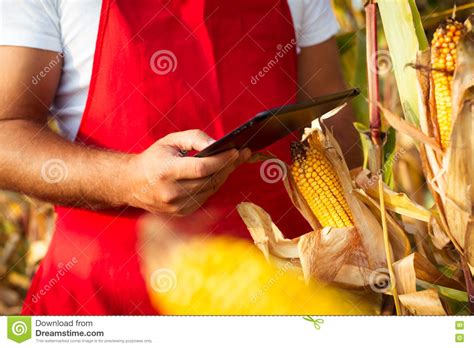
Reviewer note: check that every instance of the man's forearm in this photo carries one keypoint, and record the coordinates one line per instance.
(36, 161)
(347, 136)
(319, 73)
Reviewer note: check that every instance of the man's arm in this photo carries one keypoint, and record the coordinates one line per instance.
(319, 72)
(38, 162)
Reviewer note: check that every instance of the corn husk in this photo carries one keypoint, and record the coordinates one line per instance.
(415, 269)
(396, 202)
(458, 163)
(426, 302)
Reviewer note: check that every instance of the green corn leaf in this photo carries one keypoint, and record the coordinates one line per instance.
(405, 37)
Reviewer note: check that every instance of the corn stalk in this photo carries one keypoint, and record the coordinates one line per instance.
(376, 134)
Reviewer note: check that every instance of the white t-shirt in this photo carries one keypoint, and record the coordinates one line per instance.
(70, 27)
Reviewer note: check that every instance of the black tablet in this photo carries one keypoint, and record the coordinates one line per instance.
(269, 126)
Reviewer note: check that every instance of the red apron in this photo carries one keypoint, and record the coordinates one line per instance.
(162, 67)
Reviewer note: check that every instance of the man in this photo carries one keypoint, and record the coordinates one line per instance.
(132, 85)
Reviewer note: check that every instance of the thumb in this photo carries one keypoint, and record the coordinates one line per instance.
(189, 140)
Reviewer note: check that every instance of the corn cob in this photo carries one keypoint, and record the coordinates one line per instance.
(443, 63)
(319, 184)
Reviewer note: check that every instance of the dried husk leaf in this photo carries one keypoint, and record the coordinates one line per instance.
(398, 240)
(369, 228)
(426, 302)
(265, 233)
(460, 175)
(355, 277)
(423, 61)
(397, 202)
(406, 128)
(321, 253)
(469, 246)
(414, 267)
(460, 153)
(324, 252)
(430, 158)
(464, 73)
(438, 237)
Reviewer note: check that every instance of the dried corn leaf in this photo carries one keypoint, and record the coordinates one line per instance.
(368, 227)
(460, 153)
(414, 267)
(430, 158)
(464, 73)
(426, 302)
(397, 202)
(265, 233)
(324, 252)
(406, 128)
(460, 174)
(398, 239)
(469, 247)
(438, 237)
(355, 277)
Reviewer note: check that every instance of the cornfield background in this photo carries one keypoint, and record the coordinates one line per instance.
(26, 224)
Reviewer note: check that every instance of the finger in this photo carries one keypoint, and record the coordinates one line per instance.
(193, 203)
(213, 182)
(244, 155)
(198, 168)
(210, 183)
(189, 140)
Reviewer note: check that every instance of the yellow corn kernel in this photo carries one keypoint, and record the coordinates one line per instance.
(443, 63)
(324, 194)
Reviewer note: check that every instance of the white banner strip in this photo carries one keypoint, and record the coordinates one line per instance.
(238, 332)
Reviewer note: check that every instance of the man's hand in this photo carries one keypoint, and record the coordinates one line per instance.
(170, 183)
(36, 161)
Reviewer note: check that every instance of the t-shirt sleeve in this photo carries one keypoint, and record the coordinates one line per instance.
(30, 23)
(317, 22)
